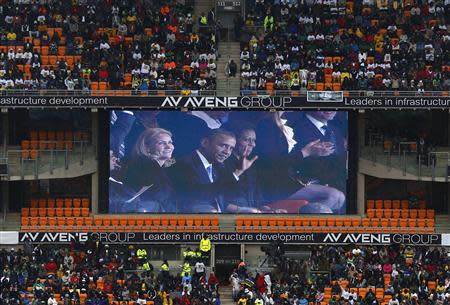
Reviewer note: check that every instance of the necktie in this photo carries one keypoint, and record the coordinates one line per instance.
(210, 173)
(329, 134)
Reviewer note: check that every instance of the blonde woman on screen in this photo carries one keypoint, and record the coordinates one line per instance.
(146, 173)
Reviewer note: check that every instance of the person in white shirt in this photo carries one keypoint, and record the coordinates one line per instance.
(235, 284)
(51, 300)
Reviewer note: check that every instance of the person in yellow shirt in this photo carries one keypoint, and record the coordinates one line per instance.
(11, 36)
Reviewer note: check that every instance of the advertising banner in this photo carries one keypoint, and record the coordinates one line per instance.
(232, 237)
(312, 100)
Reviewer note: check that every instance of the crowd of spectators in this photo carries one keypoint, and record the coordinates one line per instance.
(405, 275)
(347, 45)
(143, 44)
(97, 274)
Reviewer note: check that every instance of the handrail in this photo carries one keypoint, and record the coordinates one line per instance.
(162, 93)
(352, 93)
(122, 92)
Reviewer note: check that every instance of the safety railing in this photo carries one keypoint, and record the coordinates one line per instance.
(127, 93)
(435, 164)
(25, 162)
(353, 93)
(138, 93)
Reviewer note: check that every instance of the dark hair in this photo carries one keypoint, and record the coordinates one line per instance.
(239, 128)
(214, 133)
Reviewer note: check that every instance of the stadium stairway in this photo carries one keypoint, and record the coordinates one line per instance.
(226, 295)
(227, 224)
(10, 223)
(442, 224)
(228, 86)
(49, 165)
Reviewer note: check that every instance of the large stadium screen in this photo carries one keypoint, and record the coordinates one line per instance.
(228, 162)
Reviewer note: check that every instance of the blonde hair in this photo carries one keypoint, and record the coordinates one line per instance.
(147, 140)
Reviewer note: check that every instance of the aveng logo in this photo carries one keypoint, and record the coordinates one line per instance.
(357, 238)
(54, 237)
(200, 102)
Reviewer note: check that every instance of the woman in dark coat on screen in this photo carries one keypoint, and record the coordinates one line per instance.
(146, 173)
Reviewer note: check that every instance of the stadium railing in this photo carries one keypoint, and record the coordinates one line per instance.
(188, 92)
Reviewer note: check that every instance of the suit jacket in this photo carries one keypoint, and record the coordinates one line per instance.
(330, 169)
(277, 166)
(187, 130)
(195, 192)
(120, 129)
(159, 197)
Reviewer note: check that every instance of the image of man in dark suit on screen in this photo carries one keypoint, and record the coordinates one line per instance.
(201, 179)
(325, 127)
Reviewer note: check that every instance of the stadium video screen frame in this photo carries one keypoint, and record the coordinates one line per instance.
(228, 162)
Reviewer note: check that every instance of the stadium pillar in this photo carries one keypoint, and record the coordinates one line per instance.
(5, 199)
(212, 259)
(361, 127)
(5, 184)
(94, 176)
(360, 196)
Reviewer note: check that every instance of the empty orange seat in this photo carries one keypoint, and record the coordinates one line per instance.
(84, 212)
(378, 204)
(396, 213)
(404, 204)
(76, 212)
(25, 212)
(396, 204)
(370, 204)
(430, 214)
(68, 202)
(85, 202)
(42, 212)
(379, 213)
(34, 212)
(51, 212)
(422, 214)
(404, 213)
(76, 203)
(59, 212)
(68, 212)
(50, 202)
(331, 222)
(59, 202)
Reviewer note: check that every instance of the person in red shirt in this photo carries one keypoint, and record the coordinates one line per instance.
(213, 282)
(107, 287)
(51, 267)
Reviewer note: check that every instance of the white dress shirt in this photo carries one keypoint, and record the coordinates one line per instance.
(317, 123)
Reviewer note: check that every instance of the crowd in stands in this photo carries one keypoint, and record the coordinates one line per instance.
(368, 275)
(98, 274)
(68, 45)
(347, 45)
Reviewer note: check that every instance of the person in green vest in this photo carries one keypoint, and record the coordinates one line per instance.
(202, 22)
(189, 256)
(205, 248)
(147, 266)
(268, 23)
(186, 269)
(141, 254)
